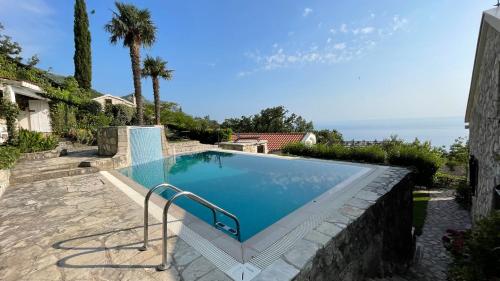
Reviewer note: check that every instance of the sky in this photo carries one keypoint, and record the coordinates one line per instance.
(325, 60)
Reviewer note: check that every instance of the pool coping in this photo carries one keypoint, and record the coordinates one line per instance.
(265, 247)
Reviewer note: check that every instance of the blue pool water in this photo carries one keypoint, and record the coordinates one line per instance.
(258, 190)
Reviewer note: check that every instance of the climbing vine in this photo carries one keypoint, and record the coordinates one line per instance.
(9, 111)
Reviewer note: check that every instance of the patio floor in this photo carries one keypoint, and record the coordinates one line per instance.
(84, 228)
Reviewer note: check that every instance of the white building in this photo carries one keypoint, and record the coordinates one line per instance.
(109, 99)
(34, 108)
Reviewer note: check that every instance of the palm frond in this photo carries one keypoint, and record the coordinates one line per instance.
(131, 24)
(156, 67)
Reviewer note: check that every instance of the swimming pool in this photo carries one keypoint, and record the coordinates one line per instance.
(258, 190)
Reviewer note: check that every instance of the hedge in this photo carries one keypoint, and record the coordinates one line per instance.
(207, 136)
(422, 159)
(369, 154)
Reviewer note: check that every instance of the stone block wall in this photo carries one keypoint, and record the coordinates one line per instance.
(187, 147)
(484, 125)
(114, 141)
(377, 243)
(107, 140)
(54, 153)
(4, 180)
(251, 147)
(238, 147)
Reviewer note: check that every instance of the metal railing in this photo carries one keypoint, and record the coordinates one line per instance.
(146, 210)
(198, 199)
(180, 193)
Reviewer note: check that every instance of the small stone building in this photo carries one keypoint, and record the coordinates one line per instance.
(483, 118)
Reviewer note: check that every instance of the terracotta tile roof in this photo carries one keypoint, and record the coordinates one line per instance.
(275, 141)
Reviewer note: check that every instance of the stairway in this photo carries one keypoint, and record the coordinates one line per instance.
(28, 171)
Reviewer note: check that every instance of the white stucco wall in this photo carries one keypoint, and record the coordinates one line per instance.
(114, 101)
(309, 139)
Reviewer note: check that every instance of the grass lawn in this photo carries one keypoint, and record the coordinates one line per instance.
(420, 199)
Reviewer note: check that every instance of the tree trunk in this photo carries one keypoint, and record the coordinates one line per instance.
(135, 56)
(156, 92)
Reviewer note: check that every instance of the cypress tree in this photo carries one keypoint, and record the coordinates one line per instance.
(83, 56)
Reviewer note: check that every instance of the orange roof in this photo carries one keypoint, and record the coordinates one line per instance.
(275, 141)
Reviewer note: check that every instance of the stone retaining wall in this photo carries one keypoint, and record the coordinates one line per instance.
(42, 154)
(187, 146)
(377, 243)
(370, 235)
(4, 180)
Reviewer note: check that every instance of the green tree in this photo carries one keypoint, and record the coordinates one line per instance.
(156, 68)
(329, 137)
(9, 47)
(135, 27)
(269, 120)
(83, 54)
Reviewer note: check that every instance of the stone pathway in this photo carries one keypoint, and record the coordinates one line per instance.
(443, 213)
(83, 228)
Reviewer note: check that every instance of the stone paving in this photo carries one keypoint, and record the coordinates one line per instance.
(443, 213)
(83, 228)
(432, 258)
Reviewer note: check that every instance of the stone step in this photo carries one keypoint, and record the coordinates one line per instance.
(52, 174)
(20, 170)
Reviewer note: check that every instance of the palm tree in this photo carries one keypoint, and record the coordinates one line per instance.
(135, 27)
(156, 68)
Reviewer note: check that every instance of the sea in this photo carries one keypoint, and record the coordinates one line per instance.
(440, 131)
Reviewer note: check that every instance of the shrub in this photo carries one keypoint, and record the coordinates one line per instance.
(209, 136)
(421, 157)
(85, 136)
(8, 156)
(29, 141)
(451, 164)
(424, 161)
(92, 107)
(369, 154)
(63, 117)
(9, 111)
(444, 180)
(120, 114)
(476, 253)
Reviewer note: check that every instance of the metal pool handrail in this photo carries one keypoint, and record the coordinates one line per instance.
(146, 210)
(198, 199)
